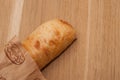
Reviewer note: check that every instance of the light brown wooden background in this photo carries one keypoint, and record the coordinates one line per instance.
(95, 55)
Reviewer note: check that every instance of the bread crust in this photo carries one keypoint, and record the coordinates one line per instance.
(49, 40)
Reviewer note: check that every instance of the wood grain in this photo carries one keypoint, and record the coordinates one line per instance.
(95, 53)
(104, 37)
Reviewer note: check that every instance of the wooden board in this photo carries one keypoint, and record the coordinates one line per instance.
(93, 56)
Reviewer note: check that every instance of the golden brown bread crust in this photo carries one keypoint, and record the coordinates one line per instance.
(49, 40)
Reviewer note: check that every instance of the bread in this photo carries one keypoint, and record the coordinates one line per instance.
(48, 41)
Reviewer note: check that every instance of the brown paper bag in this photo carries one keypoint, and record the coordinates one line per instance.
(16, 63)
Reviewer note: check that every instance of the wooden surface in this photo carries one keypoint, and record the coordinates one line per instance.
(93, 56)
